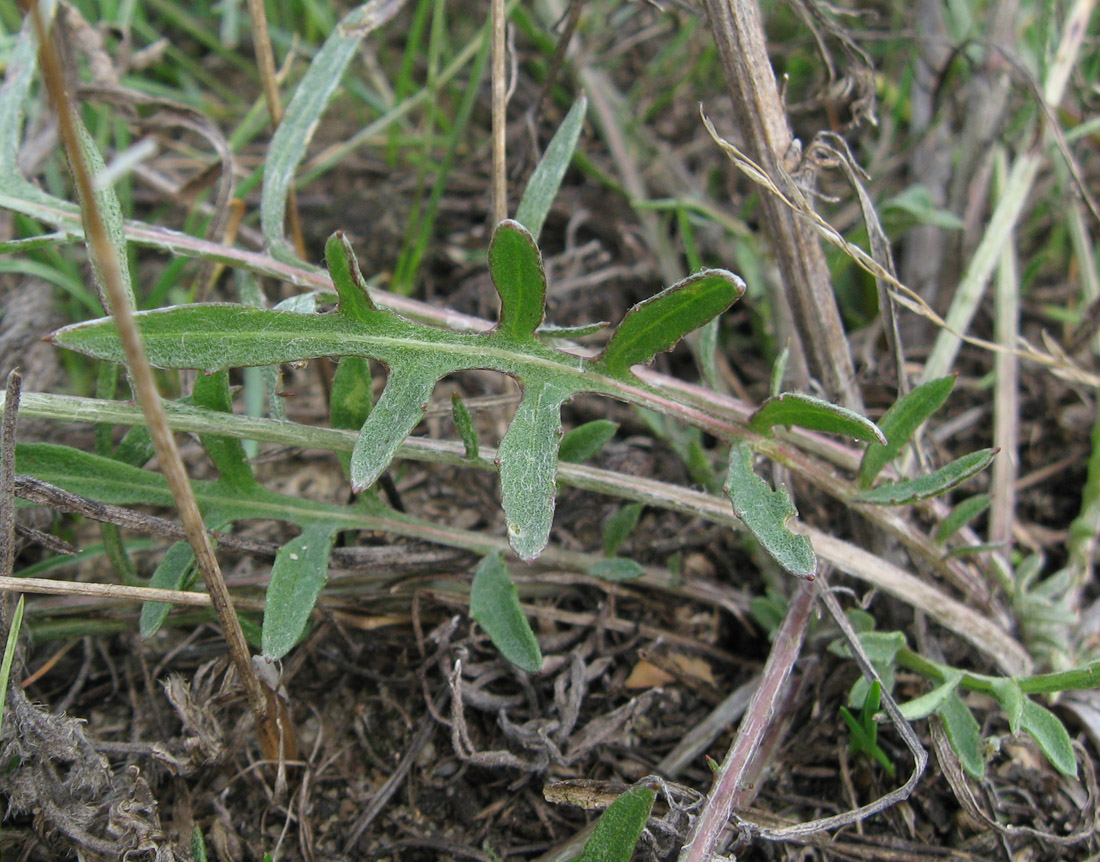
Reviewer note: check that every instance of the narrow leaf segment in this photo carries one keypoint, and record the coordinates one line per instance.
(494, 603)
(620, 826)
(932, 485)
(805, 411)
(900, 422)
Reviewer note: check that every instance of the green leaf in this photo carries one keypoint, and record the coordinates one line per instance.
(546, 179)
(528, 458)
(964, 734)
(766, 512)
(616, 569)
(619, 526)
(351, 287)
(1053, 738)
(494, 603)
(963, 513)
(173, 573)
(931, 701)
(297, 577)
(398, 411)
(1011, 700)
(349, 402)
(932, 485)
(227, 453)
(464, 424)
(657, 323)
(617, 831)
(805, 411)
(516, 268)
(291, 139)
(585, 441)
(900, 422)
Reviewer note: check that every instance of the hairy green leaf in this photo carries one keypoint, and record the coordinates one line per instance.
(494, 603)
(900, 422)
(657, 323)
(528, 457)
(805, 411)
(464, 424)
(227, 453)
(1053, 738)
(515, 265)
(1011, 700)
(585, 441)
(297, 578)
(931, 701)
(292, 137)
(964, 734)
(351, 287)
(616, 569)
(766, 513)
(546, 179)
(175, 572)
(932, 485)
(393, 418)
(620, 826)
(349, 402)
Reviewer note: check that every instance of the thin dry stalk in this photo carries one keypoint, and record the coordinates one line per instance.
(116, 592)
(148, 396)
(739, 35)
(265, 59)
(500, 112)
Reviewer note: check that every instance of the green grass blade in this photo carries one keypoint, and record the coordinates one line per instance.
(657, 323)
(900, 422)
(766, 512)
(932, 485)
(297, 578)
(9, 655)
(494, 603)
(805, 411)
(546, 179)
(288, 145)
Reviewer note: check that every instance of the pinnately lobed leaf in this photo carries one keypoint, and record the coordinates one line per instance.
(900, 422)
(617, 831)
(932, 485)
(805, 411)
(494, 603)
(766, 513)
(657, 323)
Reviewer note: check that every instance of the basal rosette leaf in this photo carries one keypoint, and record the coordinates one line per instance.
(658, 323)
(297, 578)
(494, 603)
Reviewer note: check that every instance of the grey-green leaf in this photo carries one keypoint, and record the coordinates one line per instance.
(931, 701)
(900, 422)
(805, 411)
(350, 285)
(528, 457)
(1053, 738)
(349, 402)
(227, 453)
(766, 513)
(657, 323)
(515, 265)
(494, 603)
(546, 179)
(619, 526)
(932, 485)
(964, 734)
(399, 409)
(289, 143)
(297, 577)
(585, 441)
(620, 826)
(1011, 700)
(616, 569)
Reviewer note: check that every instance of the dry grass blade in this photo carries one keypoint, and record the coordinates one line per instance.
(148, 395)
